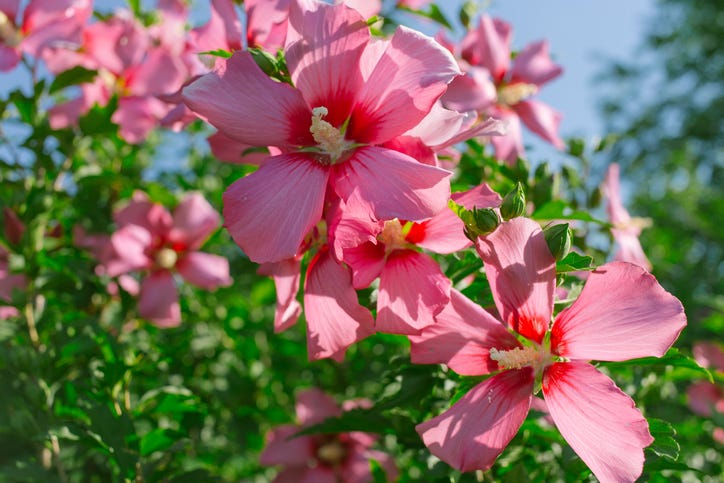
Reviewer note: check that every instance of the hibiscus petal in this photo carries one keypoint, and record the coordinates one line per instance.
(617, 213)
(489, 46)
(314, 406)
(138, 116)
(541, 119)
(158, 301)
(475, 430)
(194, 219)
(283, 449)
(597, 419)
(412, 290)
(10, 8)
(622, 313)
(244, 103)
(143, 212)
(324, 46)
(509, 146)
(366, 261)
(335, 319)
(286, 276)
(269, 212)
(461, 337)
(9, 58)
(144, 79)
(392, 185)
(409, 78)
(473, 91)
(129, 246)
(522, 275)
(533, 65)
(223, 30)
(230, 150)
(629, 248)
(204, 270)
(349, 226)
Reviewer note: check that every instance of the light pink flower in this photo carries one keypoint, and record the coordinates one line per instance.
(44, 23)
(412, 288)
(622, 313)
(504, 90)
(705, 397)
(625, 230)
(131, 64)
(350, 97)
(151, 240)
(342, 457)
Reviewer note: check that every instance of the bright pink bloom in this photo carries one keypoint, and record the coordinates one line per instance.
(333, 458)
(706, 398)
(132, 65)
(622, 313)
(504, 90)
(152, 240)
(625, 230)
(335, 319)
(413, 288)
(350, 97)
(45, 23)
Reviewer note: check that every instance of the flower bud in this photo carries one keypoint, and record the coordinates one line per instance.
(559, 239)
(480, 222)
(513, 203)
(265, 61)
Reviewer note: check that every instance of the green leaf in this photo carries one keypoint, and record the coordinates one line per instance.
(672, 358)
(664, 443)
(24, 105)
(365, 420)
(71, 77)
(559, 210)
(158, 440)
(218, 53)
(573, 262)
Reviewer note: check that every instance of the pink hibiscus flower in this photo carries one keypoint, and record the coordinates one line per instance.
(152, 240)
(413, 288)
(622, 313)
(335, 319)
(44, 23)
(340, 458)
(706, 398)
(129, 62)
(351, 96)
(625, 230)
(504, 90)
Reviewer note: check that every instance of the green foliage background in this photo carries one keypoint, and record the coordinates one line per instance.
(93, 393)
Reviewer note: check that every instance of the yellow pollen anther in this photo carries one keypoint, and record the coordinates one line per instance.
(9, 35)
(329, 138)
(166, 258)
(393, 235)
(512, 94)
(517, 357)
(332, 453)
